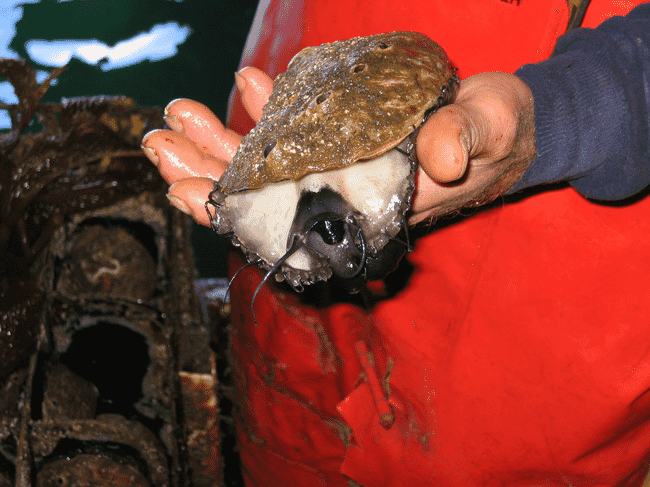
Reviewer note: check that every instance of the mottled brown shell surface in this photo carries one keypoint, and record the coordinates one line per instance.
(339, 103)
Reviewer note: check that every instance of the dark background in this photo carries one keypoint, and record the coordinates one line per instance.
(202, 69)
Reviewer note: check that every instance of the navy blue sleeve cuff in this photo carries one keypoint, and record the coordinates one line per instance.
(592, 101)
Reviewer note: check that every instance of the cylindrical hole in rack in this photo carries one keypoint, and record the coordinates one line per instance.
(113, 358)
(74, 459)
(116, 257)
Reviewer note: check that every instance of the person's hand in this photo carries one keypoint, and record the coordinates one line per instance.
(470, 152)
(197, 150)
(475, 149)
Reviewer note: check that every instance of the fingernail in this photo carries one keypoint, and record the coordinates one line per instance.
(169, 106)
(240, 80)
(151, 154)
(174, 123)
(180, 205)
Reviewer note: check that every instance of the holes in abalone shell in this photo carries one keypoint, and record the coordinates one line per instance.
(359, 67)
(317, 99)
(383, 45)
(321, 98)
(267, 150)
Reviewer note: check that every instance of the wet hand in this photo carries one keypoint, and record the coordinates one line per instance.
(197, 149)
(476, 149)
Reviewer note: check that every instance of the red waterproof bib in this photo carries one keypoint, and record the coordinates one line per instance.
(518, 353)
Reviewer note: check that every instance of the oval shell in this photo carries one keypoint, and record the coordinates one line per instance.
(337, 122)
(339, 103)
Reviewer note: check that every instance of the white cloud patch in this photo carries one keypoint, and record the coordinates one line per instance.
(10, 13)
(160, 42)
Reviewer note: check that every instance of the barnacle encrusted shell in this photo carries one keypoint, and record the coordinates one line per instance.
(338, 103)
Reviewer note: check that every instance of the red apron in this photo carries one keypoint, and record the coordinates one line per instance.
(519, 351)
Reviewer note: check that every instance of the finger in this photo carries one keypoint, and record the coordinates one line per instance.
(255, 87)
(420, 205)
(177, 157)
(189, 196)
(491, 106)
(443, 145)
(200, 125)
(432, 198)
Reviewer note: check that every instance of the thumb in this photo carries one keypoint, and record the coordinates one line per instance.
(443, 144)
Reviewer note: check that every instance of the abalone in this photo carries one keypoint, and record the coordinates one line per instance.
(322, 184)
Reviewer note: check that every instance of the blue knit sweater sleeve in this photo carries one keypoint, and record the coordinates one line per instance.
(592, 109)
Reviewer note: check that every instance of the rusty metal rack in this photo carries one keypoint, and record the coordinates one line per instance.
(116, 383)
